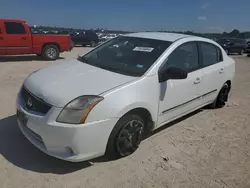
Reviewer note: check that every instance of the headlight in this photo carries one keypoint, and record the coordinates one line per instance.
(76, 111)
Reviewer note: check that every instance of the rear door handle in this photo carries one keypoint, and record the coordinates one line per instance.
(23, 38)
(197, 81)
(221, 71)
(1, 38)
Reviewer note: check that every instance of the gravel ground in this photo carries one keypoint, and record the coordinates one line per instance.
(209, 148)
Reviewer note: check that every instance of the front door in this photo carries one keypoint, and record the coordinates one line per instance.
(2, 41)
(178, 97)
(17, 38)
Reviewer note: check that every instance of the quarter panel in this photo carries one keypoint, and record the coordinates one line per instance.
(40, 39)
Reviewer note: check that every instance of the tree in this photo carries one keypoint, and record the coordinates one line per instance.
(234, 33)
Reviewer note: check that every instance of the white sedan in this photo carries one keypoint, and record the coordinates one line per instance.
(105, 101)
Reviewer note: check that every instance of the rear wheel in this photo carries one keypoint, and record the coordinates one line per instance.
(222, 97)
(92, 43)
(241, 52)
(126, 136)
(51, 52)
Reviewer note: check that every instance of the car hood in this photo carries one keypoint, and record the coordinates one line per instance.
(63, 81)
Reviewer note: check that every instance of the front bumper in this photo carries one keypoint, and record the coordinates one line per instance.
(64, 141)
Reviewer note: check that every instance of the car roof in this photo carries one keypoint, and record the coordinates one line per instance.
(12, 20)
(160, 36)
(231, 38)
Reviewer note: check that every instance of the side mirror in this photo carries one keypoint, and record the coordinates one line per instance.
(172, 73)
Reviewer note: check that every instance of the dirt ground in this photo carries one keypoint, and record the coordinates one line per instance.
(209, 148)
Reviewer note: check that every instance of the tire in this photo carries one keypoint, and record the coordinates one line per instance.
(123, 140)
(241, 52)
(222, 97)
(83, 45)
(51, 52)
(92, 43)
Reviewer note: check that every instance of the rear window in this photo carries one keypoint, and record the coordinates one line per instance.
(14, 28)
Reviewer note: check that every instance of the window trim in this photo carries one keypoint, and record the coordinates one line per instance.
(6, 31)
(219, 56)
(198, 54)
(216, 47)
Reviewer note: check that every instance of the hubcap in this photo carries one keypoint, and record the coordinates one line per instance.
(51, 53)
(129, 137)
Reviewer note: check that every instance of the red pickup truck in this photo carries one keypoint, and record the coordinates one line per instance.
(16, 38)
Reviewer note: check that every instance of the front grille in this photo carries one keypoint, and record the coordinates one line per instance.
(33, 103)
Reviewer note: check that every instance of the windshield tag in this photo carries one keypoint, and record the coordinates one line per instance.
(139, 66)
(143, 49)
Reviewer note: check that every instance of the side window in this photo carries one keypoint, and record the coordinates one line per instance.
(184, 57)
(14, 28)
(209, 54)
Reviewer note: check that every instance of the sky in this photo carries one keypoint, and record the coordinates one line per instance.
(133, 15)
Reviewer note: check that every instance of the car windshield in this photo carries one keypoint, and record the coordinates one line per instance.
(126, 55)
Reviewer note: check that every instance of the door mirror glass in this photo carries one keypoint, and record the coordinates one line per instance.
(172, 73)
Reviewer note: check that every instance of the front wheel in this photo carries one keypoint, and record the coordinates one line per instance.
(222, 97)
(126, 136)
(51, 52)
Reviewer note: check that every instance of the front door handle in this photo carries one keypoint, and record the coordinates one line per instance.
(197, 81)
(23, 38)
(1, 38)
(221, 71)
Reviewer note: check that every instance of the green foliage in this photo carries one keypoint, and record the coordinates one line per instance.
(233, 34)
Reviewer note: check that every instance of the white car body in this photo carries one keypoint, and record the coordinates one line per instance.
(62, 82)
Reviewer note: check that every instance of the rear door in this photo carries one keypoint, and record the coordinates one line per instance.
(213, 73)
(2, 41)
(17, 38)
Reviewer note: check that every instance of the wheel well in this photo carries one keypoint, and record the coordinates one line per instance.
(52, 43)
(145, 115)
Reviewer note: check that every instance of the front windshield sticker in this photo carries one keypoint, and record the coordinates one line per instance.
(139, 66)
(143, 49)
